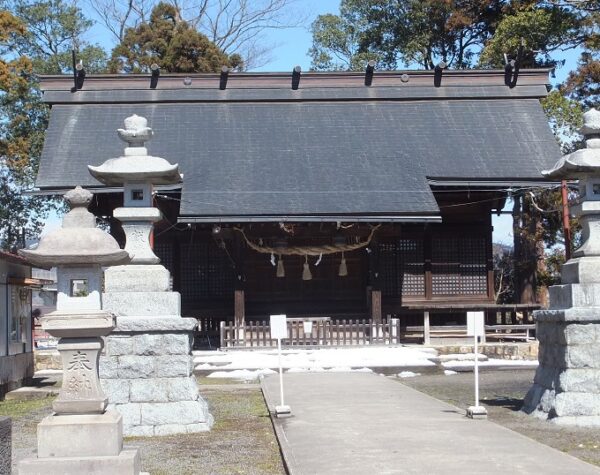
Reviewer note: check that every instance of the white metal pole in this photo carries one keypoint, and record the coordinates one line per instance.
(280, 372)
(476, 373)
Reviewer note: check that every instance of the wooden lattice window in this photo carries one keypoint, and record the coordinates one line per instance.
(401, 268)
(458, 266)
(205, 272)
(164, 251)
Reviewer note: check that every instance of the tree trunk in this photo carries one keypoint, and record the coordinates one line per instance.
(525, 250)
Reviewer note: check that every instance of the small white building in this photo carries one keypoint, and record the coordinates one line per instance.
(16, 356)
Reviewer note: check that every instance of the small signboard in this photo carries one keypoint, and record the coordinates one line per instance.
(475, 324)
(278, 327)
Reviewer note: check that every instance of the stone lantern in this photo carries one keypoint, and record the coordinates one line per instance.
(566, 387)
(137, 172)
(82, 436)
(147, 368)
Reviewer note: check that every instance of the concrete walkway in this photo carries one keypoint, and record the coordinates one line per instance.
(353, 423)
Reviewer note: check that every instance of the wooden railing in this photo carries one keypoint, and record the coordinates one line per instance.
(519, 332)
(208, 325)
(324, 332)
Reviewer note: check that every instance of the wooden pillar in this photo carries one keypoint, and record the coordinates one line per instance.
(239, 316)
(375, 293)
(426, 330)
(376, 306)
(239, 308)
(427, 267)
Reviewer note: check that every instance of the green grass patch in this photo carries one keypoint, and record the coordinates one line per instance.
(206, 381)
(231, 409)
(21, 407)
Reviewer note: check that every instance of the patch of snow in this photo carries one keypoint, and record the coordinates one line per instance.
(242, 374)
(489, 362)
(347, 369)
(462, 357)
(335, 369)
(312, 369)
(324, 358)
(408, 374)
(204, 366)
(449, 372)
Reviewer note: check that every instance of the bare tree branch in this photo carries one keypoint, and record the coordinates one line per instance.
(235, 26)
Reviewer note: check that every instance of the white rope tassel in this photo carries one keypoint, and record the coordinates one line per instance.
(280, 268)
(273, 259)
(319, 260)
(306, 274)
(343, 272)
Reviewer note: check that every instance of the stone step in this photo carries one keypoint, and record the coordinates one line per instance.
(28, 392)
(44, 384)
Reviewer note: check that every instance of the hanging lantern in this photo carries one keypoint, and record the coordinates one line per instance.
(280, 268)
(306, 275)
(343, 272)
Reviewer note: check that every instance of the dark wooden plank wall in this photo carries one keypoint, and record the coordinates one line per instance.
(207, 273)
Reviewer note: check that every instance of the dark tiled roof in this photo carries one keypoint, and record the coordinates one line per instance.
(333, 148)
(311, 158)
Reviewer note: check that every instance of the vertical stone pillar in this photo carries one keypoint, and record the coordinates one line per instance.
(566, 387)
(147, 370)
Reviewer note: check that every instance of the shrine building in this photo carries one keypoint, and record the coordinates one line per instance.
(338, 194)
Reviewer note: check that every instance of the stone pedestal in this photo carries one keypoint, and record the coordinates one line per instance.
(566, 387)
(81, 436)
(147, 367)
(137, 225)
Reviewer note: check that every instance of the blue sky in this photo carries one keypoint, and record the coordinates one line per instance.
(290, 46)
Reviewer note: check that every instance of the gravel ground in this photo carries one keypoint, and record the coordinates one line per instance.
(502, 393)
(241, 442)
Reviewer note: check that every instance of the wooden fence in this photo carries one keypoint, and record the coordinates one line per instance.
(324, 332)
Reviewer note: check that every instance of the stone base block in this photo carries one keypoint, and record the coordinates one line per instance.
(168, 429)
(569, 315)
(574, 295)
(156, 344)
(551, 403)
(81, 435)
(147, 376)
(83, 406)
(138, 324)
(143, 304)
(283, 411)
(580, 421)
(145, 367)
(581, 270)
(136, 278)
(126, 463)
(155, 418)
(477, 412)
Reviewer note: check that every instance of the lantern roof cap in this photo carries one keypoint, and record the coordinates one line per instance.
(583, 162)
(136, 165)
(78, 241)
